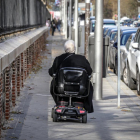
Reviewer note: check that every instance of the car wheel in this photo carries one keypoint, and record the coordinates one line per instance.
(131, 83)
(125, 76)
(138, 82)
(116, 68)
(84, 118)
(52, 112)
(110, 65)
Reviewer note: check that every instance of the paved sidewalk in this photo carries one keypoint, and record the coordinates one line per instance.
(107, 122)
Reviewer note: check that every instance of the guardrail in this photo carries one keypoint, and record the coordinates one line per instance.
(17, 57)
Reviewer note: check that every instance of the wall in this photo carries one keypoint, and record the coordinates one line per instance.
(17, 58)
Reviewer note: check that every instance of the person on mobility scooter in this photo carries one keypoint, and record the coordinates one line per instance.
(71, 88)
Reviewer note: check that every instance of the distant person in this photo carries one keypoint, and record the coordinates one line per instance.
(59, 25)
(48, 24)
(53, 26)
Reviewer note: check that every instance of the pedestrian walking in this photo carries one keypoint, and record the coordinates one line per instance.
(48, 24)
(53, 26)
(59, 25)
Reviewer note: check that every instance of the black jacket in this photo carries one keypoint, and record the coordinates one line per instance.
(72, 61)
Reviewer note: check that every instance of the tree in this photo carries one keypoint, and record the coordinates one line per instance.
(133, 4)
(108, 10)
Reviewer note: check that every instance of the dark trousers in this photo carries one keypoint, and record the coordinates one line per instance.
(53, 30)
(88, 105)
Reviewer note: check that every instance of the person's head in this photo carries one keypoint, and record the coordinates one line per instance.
(69, 46)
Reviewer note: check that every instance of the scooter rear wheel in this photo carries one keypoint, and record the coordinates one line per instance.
(54, 117)
(84, 118)
(52, 112)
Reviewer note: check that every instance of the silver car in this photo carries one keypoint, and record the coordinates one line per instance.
(133, 64)
(125, 62)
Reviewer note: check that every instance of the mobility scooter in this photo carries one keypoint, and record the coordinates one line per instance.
(72, 84)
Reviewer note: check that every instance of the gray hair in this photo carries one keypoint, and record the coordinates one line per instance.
(69, 46)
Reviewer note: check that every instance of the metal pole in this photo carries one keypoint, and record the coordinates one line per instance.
(64, 16)
(70, 16)
(66, 23)
(118, 53)
(87, 26)
(76, 25)
(98, 50)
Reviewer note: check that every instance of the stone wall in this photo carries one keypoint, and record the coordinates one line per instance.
(17, 58)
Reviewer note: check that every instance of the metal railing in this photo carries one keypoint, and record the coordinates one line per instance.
(20, 15)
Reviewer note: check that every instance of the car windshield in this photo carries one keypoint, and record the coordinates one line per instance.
(116, 38)
(93, 27)
(124, 38)
(109, 24)
(113, 35)
(108, 33)
(105, 30)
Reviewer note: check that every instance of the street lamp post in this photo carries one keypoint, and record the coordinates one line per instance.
(76, 25)
(65, 18)
(118, 53)
(98, 50)
(70, 16)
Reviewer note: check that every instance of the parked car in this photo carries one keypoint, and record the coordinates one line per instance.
(128, 22)
(92, 18)
(121, 23)
(107, 33)
(109, 22)
(111, 55)
(114, 49)
(125, 61)
(106, 27)
(133, 65)
(134, 23)
(137, 24)
(105, 22)
(112, 36)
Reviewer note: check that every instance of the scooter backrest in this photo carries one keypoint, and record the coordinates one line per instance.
(71, 79)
